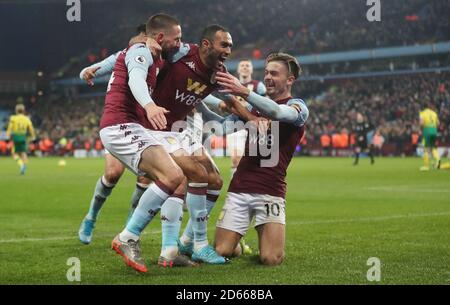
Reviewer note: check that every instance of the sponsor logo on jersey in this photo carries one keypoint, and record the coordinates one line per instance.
(196, 86)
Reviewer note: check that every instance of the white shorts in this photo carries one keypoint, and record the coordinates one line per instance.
(126, 142)
(236, 142)
(173, 141)
(240, 208)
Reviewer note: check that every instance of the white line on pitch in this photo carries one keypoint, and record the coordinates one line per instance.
(369, 219)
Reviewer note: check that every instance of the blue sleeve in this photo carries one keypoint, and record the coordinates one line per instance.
(261, 89)
(294, 112)
(106, 66)
(138, 60)
(302, 109)
(211, 100)
(138, 57)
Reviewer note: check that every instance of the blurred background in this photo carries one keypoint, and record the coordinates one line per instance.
(386, 70)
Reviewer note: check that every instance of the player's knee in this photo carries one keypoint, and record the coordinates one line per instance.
(198, 173)
(272, 259)
(215, 182)
(172, 178)
(113, 174)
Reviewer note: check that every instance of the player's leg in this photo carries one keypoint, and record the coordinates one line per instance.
(157, 164)
(214, 185)
(426, 153)
(17, 149)
(142, 184)
(171, 218)
(371, 154)
(232, 223)
(226, 242)
(24, 158)
(357, 153)
(103, 188)
(270, 221)
(199, 201)
(271, 243)
(434, 151)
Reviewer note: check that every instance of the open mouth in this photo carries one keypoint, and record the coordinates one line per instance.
(221, 61)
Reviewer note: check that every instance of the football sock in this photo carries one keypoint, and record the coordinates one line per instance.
(171, 217)
(356, 158)
(426, 158)
(435, 154)
(196, 201)
(138, 191)
(102, 190)
(149, 205)
(211, 198)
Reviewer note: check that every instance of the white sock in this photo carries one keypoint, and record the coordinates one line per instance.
(126, 235)
(169, 252)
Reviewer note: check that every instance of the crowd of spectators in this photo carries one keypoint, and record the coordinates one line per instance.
(293, 26)
(390, 104)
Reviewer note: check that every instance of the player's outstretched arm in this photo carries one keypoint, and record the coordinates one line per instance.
(295, 112)
(99, 69)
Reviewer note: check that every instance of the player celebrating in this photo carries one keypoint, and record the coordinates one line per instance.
(429, 122)
(257, 191)
(182, 86)
(361, 129)
(178, 80)
(113, 167)
(19, 129)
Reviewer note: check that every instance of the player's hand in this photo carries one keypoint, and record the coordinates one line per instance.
(224, 107)
(156, 116)
(154, 47)
(231, 84)
(233, 105)
(89, 74)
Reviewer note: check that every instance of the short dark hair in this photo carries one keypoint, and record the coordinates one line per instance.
(290, 61)
(159, 22)
(142, 28)
(210, 31)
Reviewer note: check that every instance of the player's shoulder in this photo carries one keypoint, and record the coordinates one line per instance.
(185, 52)
(139, 48)
(296, 101)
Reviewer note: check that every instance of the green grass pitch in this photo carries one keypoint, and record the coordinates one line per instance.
(338, 216)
